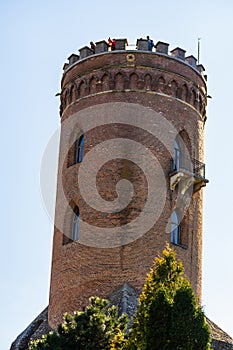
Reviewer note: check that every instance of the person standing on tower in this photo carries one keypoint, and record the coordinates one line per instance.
(92, 46)
(112, 44)
(150, 43)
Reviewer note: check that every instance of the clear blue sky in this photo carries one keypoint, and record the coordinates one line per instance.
(36, 39)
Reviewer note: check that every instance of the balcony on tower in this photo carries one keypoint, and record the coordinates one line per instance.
(185, 172)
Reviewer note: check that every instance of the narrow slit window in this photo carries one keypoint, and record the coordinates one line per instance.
(75, 224)
(175, 228)
(80, 149)
(177, 155)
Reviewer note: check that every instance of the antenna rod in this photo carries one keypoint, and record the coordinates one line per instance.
(198, 51)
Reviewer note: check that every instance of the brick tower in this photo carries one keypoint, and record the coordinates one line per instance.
(132, 129)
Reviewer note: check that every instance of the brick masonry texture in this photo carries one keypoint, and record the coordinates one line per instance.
(167, 86)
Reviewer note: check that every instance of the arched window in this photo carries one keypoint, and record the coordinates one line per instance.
(75, 224)
(177, 155)
(80, 149)
(175, 228)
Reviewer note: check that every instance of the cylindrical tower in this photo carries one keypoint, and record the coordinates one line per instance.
(130, 170)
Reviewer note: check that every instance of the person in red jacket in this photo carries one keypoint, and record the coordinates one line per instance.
(112, 44)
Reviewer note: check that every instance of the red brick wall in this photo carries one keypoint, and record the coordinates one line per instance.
(176, 91)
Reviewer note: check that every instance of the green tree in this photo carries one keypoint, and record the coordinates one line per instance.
(96, 328)
(188, 327)
(168, 316)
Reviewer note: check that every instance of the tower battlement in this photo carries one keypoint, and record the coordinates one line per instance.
(160, 48)
(104, 71)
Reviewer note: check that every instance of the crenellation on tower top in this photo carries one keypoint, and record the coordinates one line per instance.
(121, 44)
(160, 48)
(201, 68)
(101, 46)
(178, 53)
(65, 66)
(73, 58)
(85, 52)
(142, 44)
(192, 61)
